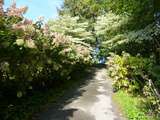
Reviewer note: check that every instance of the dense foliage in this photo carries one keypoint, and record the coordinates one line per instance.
(140, 12)
(32, 57)
(72, 27)
(127, 71)
(134, 74)
(86, 9)
(129, 29)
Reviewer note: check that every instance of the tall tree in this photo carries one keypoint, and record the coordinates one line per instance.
(72, 27)
(88, 9)
(141, 11)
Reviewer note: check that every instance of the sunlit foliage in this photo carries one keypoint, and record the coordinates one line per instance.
(33, 57)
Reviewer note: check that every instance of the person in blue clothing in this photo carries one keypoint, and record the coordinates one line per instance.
(96, 54)
(102, 60)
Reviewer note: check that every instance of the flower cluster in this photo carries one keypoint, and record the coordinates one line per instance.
(22, 25)
(82, 51)
(14, 11)
(1, 7)
(59, 40)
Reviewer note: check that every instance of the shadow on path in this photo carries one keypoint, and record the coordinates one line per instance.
(89, 100)
(56, 110)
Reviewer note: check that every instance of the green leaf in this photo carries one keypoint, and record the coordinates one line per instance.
(19, 94)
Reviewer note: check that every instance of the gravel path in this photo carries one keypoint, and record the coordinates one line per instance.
(92, 101)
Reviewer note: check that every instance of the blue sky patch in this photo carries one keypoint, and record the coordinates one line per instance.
(36, 8)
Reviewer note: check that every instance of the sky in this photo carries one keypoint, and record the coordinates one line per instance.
(37, 8)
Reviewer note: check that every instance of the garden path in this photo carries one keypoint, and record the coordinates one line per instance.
(91, 101)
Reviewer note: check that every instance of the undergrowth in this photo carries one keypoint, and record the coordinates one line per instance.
(131, 106)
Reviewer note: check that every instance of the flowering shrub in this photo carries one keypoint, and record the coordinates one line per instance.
(32, 56)
(14, 11)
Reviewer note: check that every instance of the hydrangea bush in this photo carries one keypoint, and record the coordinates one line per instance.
(32, 56)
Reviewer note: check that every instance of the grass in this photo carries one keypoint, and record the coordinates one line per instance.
(131, 106)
